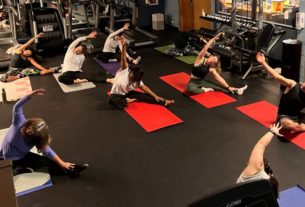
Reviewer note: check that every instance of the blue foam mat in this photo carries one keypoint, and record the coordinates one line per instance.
(46, 185)
(292, 197)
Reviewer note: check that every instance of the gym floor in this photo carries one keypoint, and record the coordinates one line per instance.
(173, 166)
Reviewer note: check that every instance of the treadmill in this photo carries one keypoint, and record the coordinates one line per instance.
(135, 36)
(81, 28)
(7, 36)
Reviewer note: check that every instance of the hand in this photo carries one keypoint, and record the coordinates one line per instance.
(275, 129)
(91, 35)
(68, 165)
(39, 35)
(260, 57)
(158, 98)
(38, 92)
(126, 26)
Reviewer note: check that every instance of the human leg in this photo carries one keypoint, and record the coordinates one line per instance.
(119, 101)
(291, 124)
(196, 86)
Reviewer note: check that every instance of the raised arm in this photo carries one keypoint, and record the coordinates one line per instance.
(205, 49)
(124, 63)
(281, 79)
(256, 161)
(125, 27)
(28, 43)
(18, 116)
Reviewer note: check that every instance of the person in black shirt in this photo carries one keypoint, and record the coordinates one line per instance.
(208, 65)
(292, 100)
(21, 60)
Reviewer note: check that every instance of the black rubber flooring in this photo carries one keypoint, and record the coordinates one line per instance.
(170, 167)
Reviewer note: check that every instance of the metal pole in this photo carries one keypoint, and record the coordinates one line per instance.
(112, 6)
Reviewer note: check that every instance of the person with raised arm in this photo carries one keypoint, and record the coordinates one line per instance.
(292, 100)
(208, 65)
(23, 135)
(72, 67)
(258, 167)
(21, 60)
(129, 78)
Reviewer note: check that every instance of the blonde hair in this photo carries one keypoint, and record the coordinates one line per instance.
(37, 131)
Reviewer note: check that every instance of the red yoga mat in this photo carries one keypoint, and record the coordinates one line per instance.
(266, 113)
(151, 116)
(208, 99)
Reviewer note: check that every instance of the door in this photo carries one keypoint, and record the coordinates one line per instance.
(186, 15)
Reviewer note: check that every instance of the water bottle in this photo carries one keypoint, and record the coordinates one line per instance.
(4, 98)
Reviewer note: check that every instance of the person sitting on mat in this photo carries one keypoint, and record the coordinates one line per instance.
(24, 134)
(126, 80)
(258, 167)
(21, 60)
(208, 65)
(292, 100)
(112, 42)
(73, 61)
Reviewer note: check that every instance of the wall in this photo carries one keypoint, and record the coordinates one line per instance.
(172, 12)
(301, 37)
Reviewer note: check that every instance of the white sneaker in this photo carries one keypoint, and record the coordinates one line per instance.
(136, 61)
(207, 89)
(240, 91)
(113, 60)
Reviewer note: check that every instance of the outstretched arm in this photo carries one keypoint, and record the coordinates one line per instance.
(256, 161)
(26, 45)
(124, 63)
(125, 27)
(281, 79)
(205, 49)
(48, 152)
(18, 115)
(36, 64)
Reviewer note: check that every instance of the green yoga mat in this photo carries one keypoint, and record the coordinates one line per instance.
(185, 59)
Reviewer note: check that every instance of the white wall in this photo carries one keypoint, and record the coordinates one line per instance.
(172, 12)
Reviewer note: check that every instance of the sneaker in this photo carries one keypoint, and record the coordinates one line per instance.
(240, 91)
(136, 61)
(113, 60)
(77, 170)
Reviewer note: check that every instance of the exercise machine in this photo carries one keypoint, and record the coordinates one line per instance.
(135, 36)
(7, 36)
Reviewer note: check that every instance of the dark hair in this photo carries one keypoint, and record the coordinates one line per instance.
(273, 181)
(37, 132)
(135, 75)
(84, 48)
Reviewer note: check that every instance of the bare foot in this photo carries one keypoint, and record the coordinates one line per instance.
(169, 102)
(80, 80)
(207, 89)
(110, 80)
(130, 100)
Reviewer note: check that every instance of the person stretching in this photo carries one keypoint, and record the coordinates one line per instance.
(126, 80)
(73, 61)
(112, 42)
(24, 134)
(208, 65)
(258, 167)
(21, 61)
(292, 100)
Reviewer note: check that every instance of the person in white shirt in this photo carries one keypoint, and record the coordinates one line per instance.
(258, 167)
(112, 42)
(126, 80)
(73, 61)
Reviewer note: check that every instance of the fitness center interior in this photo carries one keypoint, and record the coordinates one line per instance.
(205, 135)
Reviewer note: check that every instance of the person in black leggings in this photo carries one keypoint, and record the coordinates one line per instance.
(126, 80)
(292, 101)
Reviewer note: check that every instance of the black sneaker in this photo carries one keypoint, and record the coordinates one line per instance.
(77, 170)
(22, 170)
